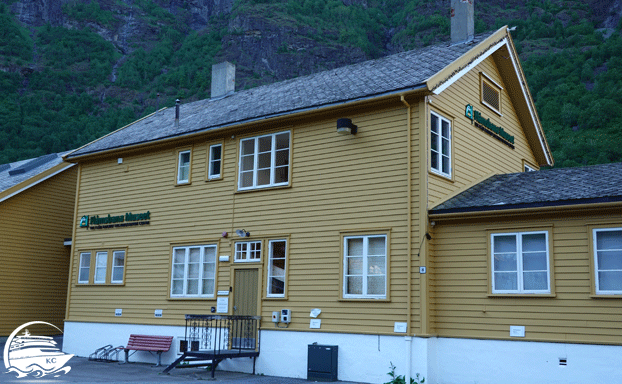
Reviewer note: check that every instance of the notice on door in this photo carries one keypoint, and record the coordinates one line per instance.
(222, 305)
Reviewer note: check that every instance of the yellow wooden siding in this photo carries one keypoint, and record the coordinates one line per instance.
(463, 306)
(475, 154)
(338, 184)
(35, 262)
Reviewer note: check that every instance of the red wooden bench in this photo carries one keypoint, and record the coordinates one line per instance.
(147, 343)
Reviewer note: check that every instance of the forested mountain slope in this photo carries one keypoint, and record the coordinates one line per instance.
(73, 70)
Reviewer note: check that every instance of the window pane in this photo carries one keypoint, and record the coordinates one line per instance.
(434, 142)
(534, 242)
(277, 268)
(208, 287)
(178, 271)
(193, 271)
(434, 123)
(610, 281)
(376, 265)
(193, 287)
(505, 262)
(119, 259)
(609, 240)
(608, 260)
(117, 274)
(195, 255)
(505, 244)
(264, 160)
(265, 144)
(178, 288)
(215, 152)
(215, 168)
(179, 256)
(355, 247)
(535, 281)
(281, 175)
(282, 140)
(505, 281)
(277, 286)
(375, 285)
(282, 157)
(209, 270)
(445, 127)
(355, 265)
(248, 146)
(535, 261)
(209, 255)
(445, 146)
(246, 179)
(248, 163)
(263, 177)
(434, 160)
(354, 285)
(376, 246)
(445, 164)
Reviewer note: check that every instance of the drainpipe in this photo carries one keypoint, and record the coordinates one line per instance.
(409, 224)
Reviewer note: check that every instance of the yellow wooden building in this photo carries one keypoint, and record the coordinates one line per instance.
(323, 195)
(36, 214)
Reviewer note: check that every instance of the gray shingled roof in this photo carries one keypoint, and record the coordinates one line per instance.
(552, 187)
(13, 174)
(400, 72)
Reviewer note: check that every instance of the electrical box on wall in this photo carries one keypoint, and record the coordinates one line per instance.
(275, 316)
(286, 316)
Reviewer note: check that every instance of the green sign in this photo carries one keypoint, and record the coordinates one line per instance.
(489, 127)
(109, 221)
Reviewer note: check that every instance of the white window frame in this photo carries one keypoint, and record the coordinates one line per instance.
(114, 268)
(519, 263)
(255, 159)
(99, 266)
(595, 233)
(439, 153)
(212, 160)
(281, 275)
(365, 270)
(247, 255)
(84, 266)
(201, 277)
(181, 166)
(529, 168)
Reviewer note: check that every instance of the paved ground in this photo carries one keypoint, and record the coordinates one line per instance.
(91, 372)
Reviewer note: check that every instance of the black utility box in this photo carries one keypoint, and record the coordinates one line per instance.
(322, 362)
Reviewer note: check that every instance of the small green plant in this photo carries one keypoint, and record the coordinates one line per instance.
(400, 379)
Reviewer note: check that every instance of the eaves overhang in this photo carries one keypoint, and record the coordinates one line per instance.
(534, 207)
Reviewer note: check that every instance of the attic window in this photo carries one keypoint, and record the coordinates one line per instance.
(490, 93)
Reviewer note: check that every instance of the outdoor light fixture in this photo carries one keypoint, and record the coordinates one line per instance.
(345, 127)
(242, 233)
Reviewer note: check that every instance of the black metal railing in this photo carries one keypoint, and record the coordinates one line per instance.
(221, 334)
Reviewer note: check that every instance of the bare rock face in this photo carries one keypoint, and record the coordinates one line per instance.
(36, 13)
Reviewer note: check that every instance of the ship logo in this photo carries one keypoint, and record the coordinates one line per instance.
(35, 356)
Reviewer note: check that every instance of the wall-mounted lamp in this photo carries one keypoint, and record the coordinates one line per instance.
(242, 233)
(345, 127)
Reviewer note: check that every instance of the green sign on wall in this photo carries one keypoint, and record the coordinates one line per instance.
(487, 126)
(109, 221)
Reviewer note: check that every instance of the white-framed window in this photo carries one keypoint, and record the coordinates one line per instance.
(520, 262)
(529, 168)
(215, 161)
(365, 266)
(101, 264)
(85, 268)
(277, 254)
(247, 251)
(193, 271)
(440, 145)
(118, 267)
(608, 260)
(264, 161)
(183, 167)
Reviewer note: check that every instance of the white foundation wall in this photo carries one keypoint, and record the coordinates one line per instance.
(463, 361)
(82, 339)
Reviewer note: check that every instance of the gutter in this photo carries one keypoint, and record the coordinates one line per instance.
(527, 208)
(291, 113)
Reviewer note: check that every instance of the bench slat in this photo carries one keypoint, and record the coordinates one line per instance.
(149, 343)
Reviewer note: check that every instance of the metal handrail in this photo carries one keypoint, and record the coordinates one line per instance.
(222, 333)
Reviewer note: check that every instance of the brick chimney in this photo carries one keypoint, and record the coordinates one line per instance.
(223, 79)
(462, 21)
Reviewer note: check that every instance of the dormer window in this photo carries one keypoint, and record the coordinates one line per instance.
(490, 93)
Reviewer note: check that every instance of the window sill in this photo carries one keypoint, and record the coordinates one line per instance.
(522, 295)
(183, 184)
(364, 299)
(212, 298)
(99, 285)
(440, 176)
(264, 188)
(606, 296)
